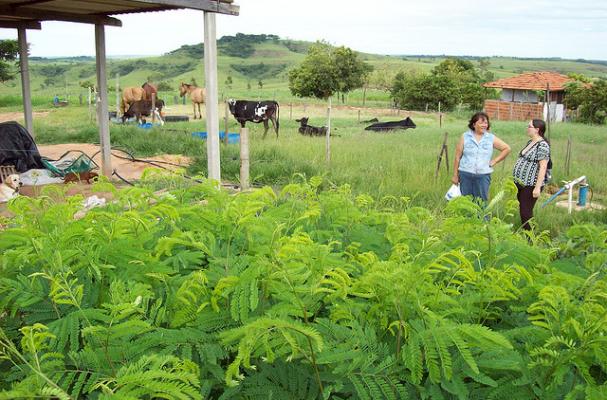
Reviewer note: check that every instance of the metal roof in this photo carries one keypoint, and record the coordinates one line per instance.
(29, 13)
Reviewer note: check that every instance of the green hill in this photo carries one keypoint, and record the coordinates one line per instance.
(254, 66)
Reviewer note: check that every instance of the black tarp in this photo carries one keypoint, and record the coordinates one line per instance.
(17, 147)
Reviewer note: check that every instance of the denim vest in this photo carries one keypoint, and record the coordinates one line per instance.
(477, 155)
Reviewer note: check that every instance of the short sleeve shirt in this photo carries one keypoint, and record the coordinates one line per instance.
(527, 166)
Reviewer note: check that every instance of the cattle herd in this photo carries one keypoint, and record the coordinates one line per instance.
(138, 102)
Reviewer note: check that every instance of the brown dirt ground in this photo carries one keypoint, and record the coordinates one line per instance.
(18, 116)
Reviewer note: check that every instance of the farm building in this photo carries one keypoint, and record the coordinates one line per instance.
(520, 99)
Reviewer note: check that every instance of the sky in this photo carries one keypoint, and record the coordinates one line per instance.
(532, 28)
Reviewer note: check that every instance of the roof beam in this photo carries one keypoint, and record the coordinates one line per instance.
(58, 16)
(25, 24)
(215, 6)
(28, 3)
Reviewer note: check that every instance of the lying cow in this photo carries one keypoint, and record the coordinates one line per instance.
(310, 130)
(387, 126)
(141, 108)
(256, 111)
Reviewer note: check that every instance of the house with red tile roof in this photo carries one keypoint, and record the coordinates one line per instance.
(527, 96)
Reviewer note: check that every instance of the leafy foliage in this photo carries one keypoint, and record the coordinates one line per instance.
(8, 52)
(589, 99)
(304, 294)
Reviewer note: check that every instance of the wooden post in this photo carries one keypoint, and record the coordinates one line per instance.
(244, 158)
(25, 82)
(210, 73)
(304, 108)
(443, 150)
(102, 109)
(568, 156)
(290, 111)
(328, 154)
(440, 116)
(225, 122)
(359, 115)
(176, 100)
(117, 94)
(153, 108)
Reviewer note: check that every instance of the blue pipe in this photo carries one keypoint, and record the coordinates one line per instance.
(582, 195)
(554, 196)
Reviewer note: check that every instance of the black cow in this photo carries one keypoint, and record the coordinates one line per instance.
(256, 111)
(142, 108)
(310, 130)
(387, 126)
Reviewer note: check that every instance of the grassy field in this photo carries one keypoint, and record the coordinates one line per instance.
(382, 164)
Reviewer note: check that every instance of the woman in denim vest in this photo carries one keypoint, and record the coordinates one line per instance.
(473, 157)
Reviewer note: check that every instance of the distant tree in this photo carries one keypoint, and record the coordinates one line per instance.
(589, 100)
(327, 70)
(87, 84)
(228, 82)
(165, 86)
(193, 81)
(248, 85)
(260, 84)
(9, 49)
(415, 91)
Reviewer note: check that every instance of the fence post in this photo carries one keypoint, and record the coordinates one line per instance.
(117, 94)
(290, 111)
(359, 115)
(244, 158)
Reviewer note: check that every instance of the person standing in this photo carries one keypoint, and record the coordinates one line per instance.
(473, 163)
(530, 171)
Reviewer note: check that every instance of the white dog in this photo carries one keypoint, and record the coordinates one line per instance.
(10, 188)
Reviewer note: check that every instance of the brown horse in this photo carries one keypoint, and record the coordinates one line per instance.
(133, 94)
(197, 95)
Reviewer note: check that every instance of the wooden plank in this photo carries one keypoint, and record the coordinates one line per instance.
(210, 74)
(25, 81)
(204, 5)
(48, 15)
(25, 24)
(102, 107)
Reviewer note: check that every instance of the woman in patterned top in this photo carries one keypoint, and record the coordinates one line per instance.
(530, 170)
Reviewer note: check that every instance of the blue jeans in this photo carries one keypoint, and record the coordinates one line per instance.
(476, 185)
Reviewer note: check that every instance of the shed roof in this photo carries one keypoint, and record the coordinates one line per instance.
(532, 81)
(28, 13)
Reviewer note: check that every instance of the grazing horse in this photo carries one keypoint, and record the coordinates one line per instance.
(133, 94)
(197, 95)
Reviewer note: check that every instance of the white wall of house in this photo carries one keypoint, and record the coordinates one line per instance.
(525, 96)
(555, 112)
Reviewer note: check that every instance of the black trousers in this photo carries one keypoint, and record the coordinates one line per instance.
(526, 203)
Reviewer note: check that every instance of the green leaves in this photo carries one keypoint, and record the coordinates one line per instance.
(308, 293)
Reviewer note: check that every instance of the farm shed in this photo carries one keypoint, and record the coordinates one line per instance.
(28, 14)
(520, 99)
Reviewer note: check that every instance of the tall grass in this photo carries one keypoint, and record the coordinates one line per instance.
(400, 163)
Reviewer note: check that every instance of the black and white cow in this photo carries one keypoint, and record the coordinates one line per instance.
(388, 126)
(256, 111)
(310, 130)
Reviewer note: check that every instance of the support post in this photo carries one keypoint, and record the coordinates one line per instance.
(102, 107)
(25, 82)
(153, 108)
(117, 94)
(244, 158)
(328, 156)
(210, 74)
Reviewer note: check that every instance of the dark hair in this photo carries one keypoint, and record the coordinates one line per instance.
(478, 116)
(540, 125)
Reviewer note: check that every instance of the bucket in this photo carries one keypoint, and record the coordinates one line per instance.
(233, 137)
(582, 196)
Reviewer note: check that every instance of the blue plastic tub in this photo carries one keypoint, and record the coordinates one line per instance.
(233, 137)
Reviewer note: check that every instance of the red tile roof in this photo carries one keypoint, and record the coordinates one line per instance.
(532, 81)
